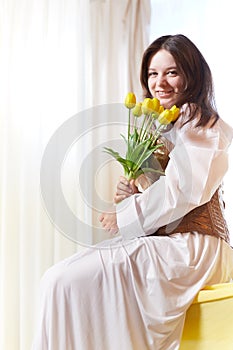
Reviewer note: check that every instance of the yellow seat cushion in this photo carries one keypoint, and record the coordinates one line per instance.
(209, 320)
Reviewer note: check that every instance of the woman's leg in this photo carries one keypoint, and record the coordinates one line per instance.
(130, 297)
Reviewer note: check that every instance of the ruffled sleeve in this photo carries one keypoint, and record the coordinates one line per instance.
(197, 165)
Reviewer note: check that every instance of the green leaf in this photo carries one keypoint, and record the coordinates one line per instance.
(125, 139)
(141, 152)
(127, 164)
(137, 153)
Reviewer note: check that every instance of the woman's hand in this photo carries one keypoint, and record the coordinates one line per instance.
(109, 221)
(124, 189)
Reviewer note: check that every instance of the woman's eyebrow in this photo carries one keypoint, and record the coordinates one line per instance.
(167, 68)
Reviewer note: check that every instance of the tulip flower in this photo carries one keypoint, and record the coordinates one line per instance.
(165, 117)
(147, 106)
(169, 115)
(130, 100)
(156, 104)
(175, 111)
(137, 110)
(161, 109)
(142, 141)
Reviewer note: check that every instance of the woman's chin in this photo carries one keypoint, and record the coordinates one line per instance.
(167, 103)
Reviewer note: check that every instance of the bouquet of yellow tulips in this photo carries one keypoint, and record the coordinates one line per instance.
(142, 140)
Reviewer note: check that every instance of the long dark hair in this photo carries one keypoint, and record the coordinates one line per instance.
(198, 92)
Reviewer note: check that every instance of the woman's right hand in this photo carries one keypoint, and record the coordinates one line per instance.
(124, 189)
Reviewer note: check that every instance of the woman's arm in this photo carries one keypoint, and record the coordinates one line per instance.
(197, 165)
(124, 189)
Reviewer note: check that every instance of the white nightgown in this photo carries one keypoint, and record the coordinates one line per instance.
(132, 292)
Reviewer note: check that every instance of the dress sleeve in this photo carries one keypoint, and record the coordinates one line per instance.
(197, 165)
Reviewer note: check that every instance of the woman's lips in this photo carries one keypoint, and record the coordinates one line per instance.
(164, 94)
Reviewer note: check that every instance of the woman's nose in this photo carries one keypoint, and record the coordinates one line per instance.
(161, 80)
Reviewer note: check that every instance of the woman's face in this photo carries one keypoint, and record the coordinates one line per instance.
(164, 80)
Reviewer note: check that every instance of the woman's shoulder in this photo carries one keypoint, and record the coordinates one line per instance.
(189, 116)
(225, 127)
(188, 130)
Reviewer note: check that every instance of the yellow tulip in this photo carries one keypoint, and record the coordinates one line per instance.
(130, 100)
(156, 104)
(137, 110)
(165, 117)
(175, 111)
(161, 109)
(147, 106)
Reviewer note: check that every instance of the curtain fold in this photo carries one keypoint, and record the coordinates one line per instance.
(136, 21)
(119, 35)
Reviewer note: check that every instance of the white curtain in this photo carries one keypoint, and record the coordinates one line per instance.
(208, 24)
(57, 60)
(41, 68)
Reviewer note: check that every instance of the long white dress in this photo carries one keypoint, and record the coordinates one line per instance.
(132, 292)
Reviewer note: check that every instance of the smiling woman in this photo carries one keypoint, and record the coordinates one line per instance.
(196, 20)
(173, 239)
(46, 77)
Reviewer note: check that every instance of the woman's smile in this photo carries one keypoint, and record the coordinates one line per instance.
(163, 94)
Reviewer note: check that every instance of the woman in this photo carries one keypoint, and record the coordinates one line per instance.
(133, 295)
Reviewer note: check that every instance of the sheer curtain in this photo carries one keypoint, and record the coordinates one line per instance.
(41, 67)
(57, 59)
(208, 24)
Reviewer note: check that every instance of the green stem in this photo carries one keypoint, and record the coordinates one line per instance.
(141, 130)
(129, 124)
(128, 131)
(129, 175)
(140, 159)
(146, 128)
(135, 123)
(157, 133)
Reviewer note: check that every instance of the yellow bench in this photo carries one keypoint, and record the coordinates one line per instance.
(209, 320)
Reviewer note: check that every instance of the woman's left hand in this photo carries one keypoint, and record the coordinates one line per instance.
(109, 221)
(124, 189)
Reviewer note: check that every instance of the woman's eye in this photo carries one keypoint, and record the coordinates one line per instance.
(172, 72)
(152, 74)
